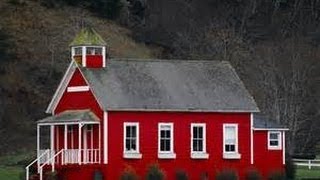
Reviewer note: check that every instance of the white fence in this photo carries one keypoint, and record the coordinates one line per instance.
(307, 163)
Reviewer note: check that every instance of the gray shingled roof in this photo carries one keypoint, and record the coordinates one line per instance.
(262, 122)
(74, 116)
(171, 85)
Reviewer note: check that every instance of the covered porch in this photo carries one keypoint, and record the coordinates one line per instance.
(73, 137)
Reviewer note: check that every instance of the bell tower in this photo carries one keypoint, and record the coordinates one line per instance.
(88, 49)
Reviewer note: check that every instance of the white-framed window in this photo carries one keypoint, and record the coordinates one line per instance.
(131, 140)
(230, 141)
(78, 51)
(165, 141)
(198, 141)
(274, 140)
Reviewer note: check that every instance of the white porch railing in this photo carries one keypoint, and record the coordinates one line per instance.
(63, 157)
(307, 162)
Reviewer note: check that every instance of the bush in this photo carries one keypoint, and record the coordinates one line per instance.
(290, 168)
(155, 173)
(227, 175)
(129, 174)
(276, 176)
(253, 174)
(181, 175)
(51, 175)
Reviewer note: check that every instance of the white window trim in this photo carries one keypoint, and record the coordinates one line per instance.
(166, 154)
(199, 154)
(131, 154)
(235, 154)
(77, 88)
(279, 147)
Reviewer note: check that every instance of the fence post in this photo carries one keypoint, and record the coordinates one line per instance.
(309, 163)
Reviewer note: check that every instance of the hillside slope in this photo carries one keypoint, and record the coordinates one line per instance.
(39, 44)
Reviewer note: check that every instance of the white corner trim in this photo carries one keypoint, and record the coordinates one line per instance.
(251, 139)
(62, 86)
(284, 147)
(279, 146)
(77, 88)
(105, 137)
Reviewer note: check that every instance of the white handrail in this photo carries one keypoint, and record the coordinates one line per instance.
(34, 161)
(48, 161)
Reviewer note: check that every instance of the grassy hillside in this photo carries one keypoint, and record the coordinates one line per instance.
(37, 39)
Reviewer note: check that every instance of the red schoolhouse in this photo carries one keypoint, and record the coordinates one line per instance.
(109, 114)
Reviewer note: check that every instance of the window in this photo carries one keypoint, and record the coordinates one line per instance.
(198, 141)
(230, 141)
(131, 140)
(274, 140)
(78, 51)
(165, 141)
(94, 50)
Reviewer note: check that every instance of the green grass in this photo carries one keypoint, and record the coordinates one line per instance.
(305, 173)
(10, 173)
(12, 166)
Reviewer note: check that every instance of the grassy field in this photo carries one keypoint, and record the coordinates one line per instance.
(12, 168)
(305, 173)
(11, 172)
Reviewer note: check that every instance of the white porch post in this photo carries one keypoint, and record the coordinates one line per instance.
(79, 144)
(65, 141)
(99, 143)
(52, 143)
(65, 137)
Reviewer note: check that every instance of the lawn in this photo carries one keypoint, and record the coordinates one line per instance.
(305, 173)
(12, 166)
(11, 172)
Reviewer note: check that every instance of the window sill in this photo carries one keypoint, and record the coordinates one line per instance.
(274, 148)
(199, 156)
(129, 155)
(231, 156)
(166, 155)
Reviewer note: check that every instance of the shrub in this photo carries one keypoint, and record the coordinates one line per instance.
(51, 175)
(227, 175)
(155, 173)
(129, 174)
(204, 176)
(181, 175)
(253, 174)
(290, 168)
(97, 175)
(276, 176)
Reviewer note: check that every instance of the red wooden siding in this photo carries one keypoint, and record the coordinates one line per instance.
(94, 61)
(267, 161)
(182, 122)
(77, 101)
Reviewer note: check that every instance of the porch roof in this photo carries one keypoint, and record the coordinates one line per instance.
(71, 117)
(262, 122)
